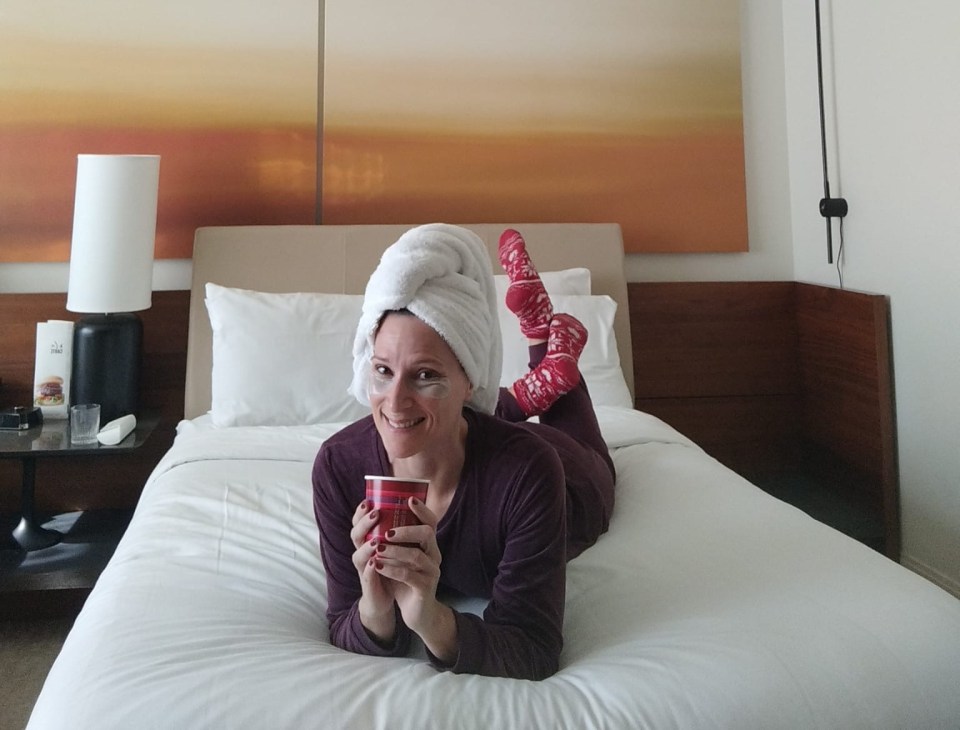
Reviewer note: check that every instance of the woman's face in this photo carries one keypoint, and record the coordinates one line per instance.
(417, 388)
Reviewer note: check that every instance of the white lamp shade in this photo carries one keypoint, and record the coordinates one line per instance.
(114, 229)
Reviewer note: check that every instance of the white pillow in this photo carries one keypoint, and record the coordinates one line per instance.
(565, 281)
(600, 361)
(282, 359)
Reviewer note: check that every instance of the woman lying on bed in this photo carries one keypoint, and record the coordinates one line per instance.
(508, 501)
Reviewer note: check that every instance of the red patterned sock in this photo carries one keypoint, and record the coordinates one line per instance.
(526, 296)
(558, 373)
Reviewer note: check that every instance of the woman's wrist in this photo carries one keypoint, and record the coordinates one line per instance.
(439, 635)
(381, 625)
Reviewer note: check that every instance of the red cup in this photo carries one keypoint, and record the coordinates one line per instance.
(390, 495)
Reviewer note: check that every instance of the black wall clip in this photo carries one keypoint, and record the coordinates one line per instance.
(833, 207)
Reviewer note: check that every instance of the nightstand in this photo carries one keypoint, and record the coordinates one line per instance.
(50, 440)
(37, 558)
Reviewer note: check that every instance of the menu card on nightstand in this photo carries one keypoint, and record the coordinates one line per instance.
(51, 380)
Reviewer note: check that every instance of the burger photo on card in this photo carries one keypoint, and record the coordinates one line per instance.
(49, 392)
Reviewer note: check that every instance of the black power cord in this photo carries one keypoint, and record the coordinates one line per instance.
(829, 207)
(840, 256)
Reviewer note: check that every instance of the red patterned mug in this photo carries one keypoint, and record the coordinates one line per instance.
(390, 495)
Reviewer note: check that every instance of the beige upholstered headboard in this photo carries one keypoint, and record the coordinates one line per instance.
(341, 258)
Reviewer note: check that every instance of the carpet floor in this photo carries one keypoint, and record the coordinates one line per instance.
(27, 651)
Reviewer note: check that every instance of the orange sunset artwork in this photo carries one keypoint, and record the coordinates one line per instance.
(548, 110)
(224, 92)
(271, 113)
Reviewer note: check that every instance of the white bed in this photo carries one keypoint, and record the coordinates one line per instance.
(708, 604)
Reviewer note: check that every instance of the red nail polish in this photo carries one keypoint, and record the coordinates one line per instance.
(391, 534)
(381, 548)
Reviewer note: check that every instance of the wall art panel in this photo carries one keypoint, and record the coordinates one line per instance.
(224, 90)
(546, 110)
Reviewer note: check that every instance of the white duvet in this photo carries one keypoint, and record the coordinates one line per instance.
(708, 604)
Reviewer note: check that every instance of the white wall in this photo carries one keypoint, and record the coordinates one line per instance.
(895, 155)
(894, 138)
(25, 278)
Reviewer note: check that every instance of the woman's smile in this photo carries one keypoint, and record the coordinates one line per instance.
(402, 424)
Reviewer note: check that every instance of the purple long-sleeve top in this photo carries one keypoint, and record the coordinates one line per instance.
(503, 537)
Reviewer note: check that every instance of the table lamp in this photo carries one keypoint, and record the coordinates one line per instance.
(111, 274)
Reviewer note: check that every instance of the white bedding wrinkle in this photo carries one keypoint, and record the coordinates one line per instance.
(708, 604)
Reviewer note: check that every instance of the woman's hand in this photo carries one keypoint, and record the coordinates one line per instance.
(376, 602)
(410, 563)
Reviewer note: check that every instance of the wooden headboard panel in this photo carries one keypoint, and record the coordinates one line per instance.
(789, 384)
(761, 374)
(341, 259)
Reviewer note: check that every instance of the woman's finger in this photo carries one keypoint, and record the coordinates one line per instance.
(422, 537)
(364, 525)
(422, 512)
(365, 552)
(409, 563)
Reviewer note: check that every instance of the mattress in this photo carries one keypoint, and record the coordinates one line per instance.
(708, 604)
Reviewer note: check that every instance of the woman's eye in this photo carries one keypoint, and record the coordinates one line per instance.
(381, 370)
(427, 375)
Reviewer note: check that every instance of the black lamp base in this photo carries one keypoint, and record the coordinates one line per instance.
(106, 363)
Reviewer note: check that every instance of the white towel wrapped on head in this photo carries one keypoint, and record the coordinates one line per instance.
(442, 274)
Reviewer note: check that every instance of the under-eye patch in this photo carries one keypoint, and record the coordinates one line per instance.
(434, 387)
